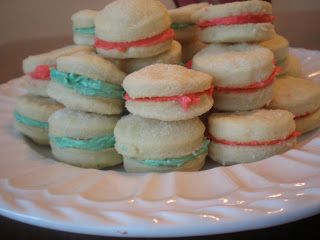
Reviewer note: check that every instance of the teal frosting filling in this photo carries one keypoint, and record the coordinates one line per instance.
(94, 144)
(29, 121)
(177, 162)
(87, 86)
(181, 25)
(86, 31)
(281, 61)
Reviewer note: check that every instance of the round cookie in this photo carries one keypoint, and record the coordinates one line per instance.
(31, 116)
(168, 92)
(294, 66)
(83, 139)
(83, 27)
(149, 145)
(87, 82)
(37, 68)
(280, 48)
(172, 56)
(250, 136)
(133, 29)
(243, 21)
(185, 29)
(243, 74)
(301, 97)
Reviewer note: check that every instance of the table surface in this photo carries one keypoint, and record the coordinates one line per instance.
(11, 56)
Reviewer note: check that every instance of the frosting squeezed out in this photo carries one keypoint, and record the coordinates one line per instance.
(41, 72)
(87, 31)
(254, 143)
(185, 100)
(94, 143)
(29, 121)
(177, 162)
(242, 19)
(123, 46)
(87, 86)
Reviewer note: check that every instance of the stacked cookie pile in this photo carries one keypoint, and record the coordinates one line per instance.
(33, 109)
(244, 74)
(78, 94)
(133, 46)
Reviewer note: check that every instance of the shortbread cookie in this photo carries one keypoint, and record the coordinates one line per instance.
(250, 136)
(244, 21)
(294, 66)
(149, 145)
(133, 29)
(168, 92)
(87, 82)
(301, 97)
(185, 29)
(37, 68)
(243, 74)
(31, 116)
(279, 45)
(83, 27)
(83, 139)
(172, 56)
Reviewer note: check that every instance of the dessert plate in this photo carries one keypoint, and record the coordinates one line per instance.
(37, 190)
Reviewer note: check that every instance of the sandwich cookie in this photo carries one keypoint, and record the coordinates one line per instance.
(133, 29)
(31, 116)
(185, 29)
(250, 136)
(130, 65)
(243, 73)
(87, 82)
(244, 21)
(301, 97)
(149, 145)
(168, 92)
(83, 27)
(83, 139)
(37, 68)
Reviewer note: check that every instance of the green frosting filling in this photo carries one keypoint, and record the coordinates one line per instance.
(281, 61)
(181, 25)
(29, 121)
(87, 86)
(177, 162)
(94, 144)
(86, 31)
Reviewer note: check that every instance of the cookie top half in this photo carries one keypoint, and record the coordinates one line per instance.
(239, 8)
(30, 63)
(92, 66)
(80, 125)
(235, 65)
(183, 14)
(159, 80)
(83, 18)
(296, 95)
(127, 20)
(257, 125)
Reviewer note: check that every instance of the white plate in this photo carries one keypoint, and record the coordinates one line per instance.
(38, 190)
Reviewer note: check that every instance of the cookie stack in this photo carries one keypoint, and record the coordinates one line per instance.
(135, 34)
(33, 109)
(163, 132)
(90, 88)
(83, 27)
(244, 74)
(186, 30)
